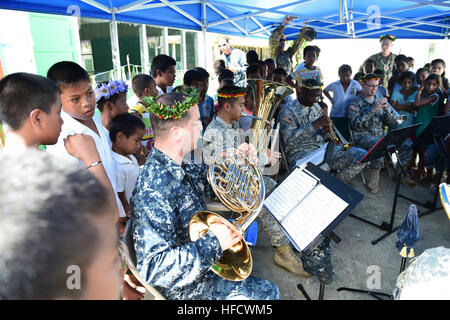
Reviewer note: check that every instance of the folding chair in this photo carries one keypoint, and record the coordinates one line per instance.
(128, 254)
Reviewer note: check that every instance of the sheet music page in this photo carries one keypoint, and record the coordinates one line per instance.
(287, 195)
(316, 157)
(313, 215)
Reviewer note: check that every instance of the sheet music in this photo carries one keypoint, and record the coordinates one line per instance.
(304, 207)
(313, 215)
(293, 189)
(316, 157)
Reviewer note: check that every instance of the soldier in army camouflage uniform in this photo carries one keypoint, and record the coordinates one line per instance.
(283, 58)
(385, 59)
(367, 118)
(302, 129)
(302, 132)
(167, 194)
(223, 131)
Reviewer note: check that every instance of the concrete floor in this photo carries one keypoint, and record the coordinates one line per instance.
(355, 258)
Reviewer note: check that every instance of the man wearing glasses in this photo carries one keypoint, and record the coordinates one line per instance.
(367, 118)
(235, 61)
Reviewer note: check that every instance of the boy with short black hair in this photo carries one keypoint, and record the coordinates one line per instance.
(143, 86)
(58, 238)
(270, 67)
(78, 113)
(343, 90)
(253, 71)
(279, 75)
(205, 102)
(307, 69)
(126, 132)
(226, 78)
(163, 71)
(30, 106)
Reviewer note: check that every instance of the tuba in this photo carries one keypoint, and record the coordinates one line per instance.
(267, 96)
(239, 185)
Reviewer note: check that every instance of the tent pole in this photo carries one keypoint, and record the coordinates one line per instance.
(166, 40)
(115, 46)
(204, 26)
(183, 50)
(144, 48)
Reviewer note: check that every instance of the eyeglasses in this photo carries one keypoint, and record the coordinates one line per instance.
(372, 86)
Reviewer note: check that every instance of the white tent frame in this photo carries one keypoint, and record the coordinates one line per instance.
(344, 17)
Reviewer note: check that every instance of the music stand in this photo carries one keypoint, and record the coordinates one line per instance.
(375, 294)
(387, 146)
(343, 191)
(434, 133)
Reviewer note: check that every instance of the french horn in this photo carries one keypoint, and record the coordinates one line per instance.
(239, 185)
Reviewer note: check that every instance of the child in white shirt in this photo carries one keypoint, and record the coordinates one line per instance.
(78, 112)
(126, 132)
(343, 90)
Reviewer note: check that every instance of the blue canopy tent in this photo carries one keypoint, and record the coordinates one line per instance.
(408, 19)
(412, 19)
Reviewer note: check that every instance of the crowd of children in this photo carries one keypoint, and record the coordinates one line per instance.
(59, 111)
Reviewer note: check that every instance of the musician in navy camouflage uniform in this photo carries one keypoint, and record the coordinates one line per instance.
(167, 194)
(367, 117)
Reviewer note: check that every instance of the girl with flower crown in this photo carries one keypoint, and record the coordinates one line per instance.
(111, 99)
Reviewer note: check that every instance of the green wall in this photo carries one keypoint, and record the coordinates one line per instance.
(54, 40)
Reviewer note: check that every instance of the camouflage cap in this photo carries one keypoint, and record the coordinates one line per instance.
(427, 277)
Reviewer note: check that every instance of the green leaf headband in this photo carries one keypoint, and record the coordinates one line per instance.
(388, 36)
(176, 110)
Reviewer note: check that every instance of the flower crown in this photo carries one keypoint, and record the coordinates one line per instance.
(233, 93)
(175, 111)
(388, 36)
(107, 90)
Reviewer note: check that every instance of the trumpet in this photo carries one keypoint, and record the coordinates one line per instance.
(394, 114)
(335, 135)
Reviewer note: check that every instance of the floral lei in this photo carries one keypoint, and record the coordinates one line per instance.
(107, 90)
(238, 92)
(176, 110)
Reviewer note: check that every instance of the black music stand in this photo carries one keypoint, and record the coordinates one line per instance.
(375, 294)
(387, 146)
(345, 192)
(434, 133)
